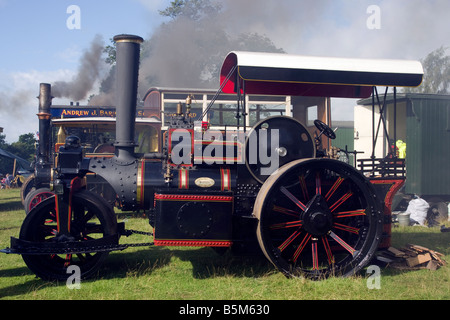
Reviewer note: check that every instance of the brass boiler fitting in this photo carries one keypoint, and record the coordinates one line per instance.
(188, 104)
(179, 109)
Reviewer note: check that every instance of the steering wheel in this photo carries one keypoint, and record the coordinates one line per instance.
(324, 129)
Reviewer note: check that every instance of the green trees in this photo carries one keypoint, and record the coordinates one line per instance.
(436, 77)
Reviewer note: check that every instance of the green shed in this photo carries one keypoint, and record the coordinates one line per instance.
(428, 144)
(423, 122)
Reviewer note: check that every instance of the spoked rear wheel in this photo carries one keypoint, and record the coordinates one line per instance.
(317, 218)
(92, 218)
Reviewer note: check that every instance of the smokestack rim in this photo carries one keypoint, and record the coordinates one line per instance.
(128, 38)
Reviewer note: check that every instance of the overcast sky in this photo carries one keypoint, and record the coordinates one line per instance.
(39, 46)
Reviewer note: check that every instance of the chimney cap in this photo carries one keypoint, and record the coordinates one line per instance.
(128, 38)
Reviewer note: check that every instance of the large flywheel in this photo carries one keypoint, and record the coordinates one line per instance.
(91, 219)
(318, 217)
(292, 141)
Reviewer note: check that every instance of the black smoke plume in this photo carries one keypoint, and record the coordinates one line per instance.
(89, 72)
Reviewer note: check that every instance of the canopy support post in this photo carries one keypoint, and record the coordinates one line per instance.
(200, 118)
(395, 119)
(382, 121)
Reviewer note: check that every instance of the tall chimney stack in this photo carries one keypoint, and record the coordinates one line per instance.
(127, 64)
(44, 115)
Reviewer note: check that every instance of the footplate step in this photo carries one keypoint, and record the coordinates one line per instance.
(109, 243)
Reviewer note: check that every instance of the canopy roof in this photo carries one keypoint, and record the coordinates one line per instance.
(284, 74)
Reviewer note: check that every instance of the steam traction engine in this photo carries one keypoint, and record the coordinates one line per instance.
(264, 189)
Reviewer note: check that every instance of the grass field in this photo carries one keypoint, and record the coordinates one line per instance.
(175, 273)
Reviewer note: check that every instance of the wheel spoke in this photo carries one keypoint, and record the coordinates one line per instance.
(85, 217)
(318, 184)
(303, 187)
(301, 247)
(346, 228)
(344, 244)
(330, 255)
(68, 260)
(344, 198)
(92, 228)
(333, 189)
(48, 230)
(284, 225)
(289, 240)
(286, 211)
(82, 257)
(315, 255)
(353, 213)
(288, 194)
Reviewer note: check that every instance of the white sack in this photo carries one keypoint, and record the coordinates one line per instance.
(418, 209)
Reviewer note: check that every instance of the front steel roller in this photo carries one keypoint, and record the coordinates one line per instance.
(92, 218)
(317, 218)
